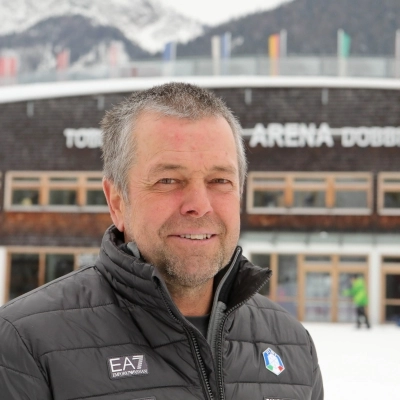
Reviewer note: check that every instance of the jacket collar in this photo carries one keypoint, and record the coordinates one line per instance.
(139, 282)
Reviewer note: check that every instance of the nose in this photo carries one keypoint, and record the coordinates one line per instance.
(196, 201)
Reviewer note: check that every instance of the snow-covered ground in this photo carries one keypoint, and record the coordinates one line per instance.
(358, 364)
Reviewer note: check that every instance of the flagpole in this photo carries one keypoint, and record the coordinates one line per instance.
(169, 58)
(282, 50)
(397, 54)
(226, 51)
(283, 43)
(340, 53)
(216, 54)
(339, 42)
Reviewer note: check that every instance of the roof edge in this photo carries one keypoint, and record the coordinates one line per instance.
(40, 91)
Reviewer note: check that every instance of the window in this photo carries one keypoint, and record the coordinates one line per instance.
(33, 267)
(309, 193)
(389, 193)
(55, 191)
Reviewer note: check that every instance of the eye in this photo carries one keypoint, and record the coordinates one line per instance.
(167, 181)
(220, 181)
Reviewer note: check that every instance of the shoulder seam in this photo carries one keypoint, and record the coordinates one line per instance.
(19, 372)
(269, 383)
(266, 342)
(131, 390)
(26, 347)
(267, 308)
(112, 345)
(45, 286)
(92, 347)
(65, 309)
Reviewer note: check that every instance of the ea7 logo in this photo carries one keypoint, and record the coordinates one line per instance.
(127, 366)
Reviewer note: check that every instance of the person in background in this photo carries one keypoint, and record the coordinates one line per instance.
(358, 292)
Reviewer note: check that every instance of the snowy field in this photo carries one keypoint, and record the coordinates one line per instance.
(358, 364)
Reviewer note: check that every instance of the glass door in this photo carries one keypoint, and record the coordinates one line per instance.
(346, 310)
(318, 296)
(323, 282)
(391, 289)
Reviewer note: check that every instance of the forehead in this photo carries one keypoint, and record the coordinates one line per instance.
(155, 133)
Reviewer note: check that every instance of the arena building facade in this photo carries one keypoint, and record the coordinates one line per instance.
(322, 200)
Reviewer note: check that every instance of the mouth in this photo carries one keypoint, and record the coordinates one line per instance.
(196, 236)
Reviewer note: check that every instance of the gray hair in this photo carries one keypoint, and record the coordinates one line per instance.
(178, 100)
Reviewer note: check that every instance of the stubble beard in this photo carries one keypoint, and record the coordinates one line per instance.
(177, 269)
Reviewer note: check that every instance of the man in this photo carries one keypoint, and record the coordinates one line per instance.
(358, 292)
(170, 309)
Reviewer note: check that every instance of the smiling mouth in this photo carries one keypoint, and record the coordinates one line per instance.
(196, 236)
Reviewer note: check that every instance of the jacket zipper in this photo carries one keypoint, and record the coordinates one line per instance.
(195, 345)
(219, 341)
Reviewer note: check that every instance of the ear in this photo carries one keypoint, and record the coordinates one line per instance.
(116, 204)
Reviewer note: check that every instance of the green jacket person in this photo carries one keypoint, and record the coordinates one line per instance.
(359, 293)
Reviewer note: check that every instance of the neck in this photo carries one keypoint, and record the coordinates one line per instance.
(193, 302)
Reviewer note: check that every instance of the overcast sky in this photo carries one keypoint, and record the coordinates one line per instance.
(213, 12)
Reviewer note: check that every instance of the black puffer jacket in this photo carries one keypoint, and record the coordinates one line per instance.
(111, 331)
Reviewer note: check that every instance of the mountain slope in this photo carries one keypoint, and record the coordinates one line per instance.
(87, 42)
(311, 27)
(145, 22)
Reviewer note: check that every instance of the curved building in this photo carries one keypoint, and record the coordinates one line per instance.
(322, 200)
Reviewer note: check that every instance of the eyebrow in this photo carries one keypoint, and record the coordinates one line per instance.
(166, 167)
(175, 167)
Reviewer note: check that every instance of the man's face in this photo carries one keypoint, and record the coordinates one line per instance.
(184, 208)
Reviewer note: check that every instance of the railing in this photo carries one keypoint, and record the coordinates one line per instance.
(374, 67)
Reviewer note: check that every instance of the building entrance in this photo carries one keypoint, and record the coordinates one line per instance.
(311, 287)
(324, 280)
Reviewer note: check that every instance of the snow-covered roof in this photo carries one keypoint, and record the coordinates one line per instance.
(38, 91)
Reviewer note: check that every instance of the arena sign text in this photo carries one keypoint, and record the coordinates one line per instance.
(276, 134)
(311, 135)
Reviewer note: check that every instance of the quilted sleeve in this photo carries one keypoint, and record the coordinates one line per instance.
(20, 377)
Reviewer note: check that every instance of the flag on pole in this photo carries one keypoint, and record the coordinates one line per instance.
(169, 51)
(216, 54)
(277, 49)
(8, 65)
(62, 62)
(221, 47)
(397, 45)
(226, 45)
(115, 53)
(397, 54)
(274, 46)
(283, 43)
(344, 44)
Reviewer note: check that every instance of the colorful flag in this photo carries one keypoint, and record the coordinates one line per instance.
(277, 45)
(115, 53)
(283, 43)
(216, 54)
(274, 46)
(8, 66)
(397, 54)
(226, 45)
(169, 51)
(62, 62)
(397, 45)
(344, 44)
(221, 47)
